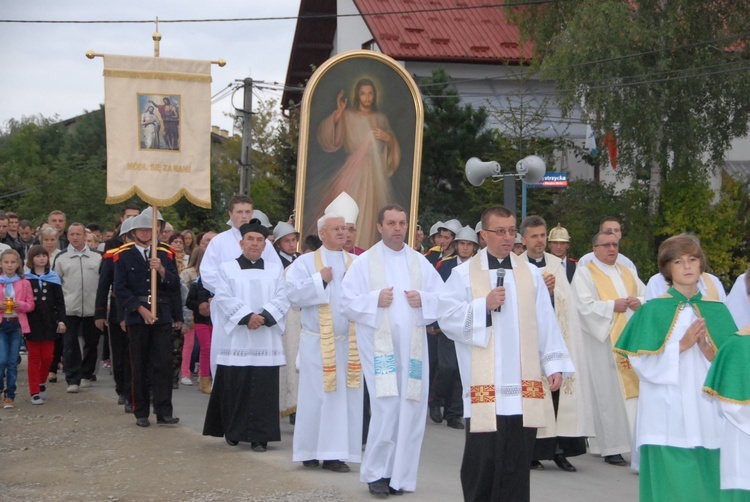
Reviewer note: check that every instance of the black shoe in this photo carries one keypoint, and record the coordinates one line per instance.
(435, 414)
(121, 399)
(311, 463)
(128, 406)
(615, 460)
(393, 491)
(52, 379)
(293, 418)
(563, 463)
(92, 378)
(142, 422)
(335, 466)
(167, 420)
(455, 423)
(536, 465)
(231, 442)
(259, 447)
(379, 488)
(175, 385)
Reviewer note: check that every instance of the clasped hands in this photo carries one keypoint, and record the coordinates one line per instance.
(385, 299)
(623, 304)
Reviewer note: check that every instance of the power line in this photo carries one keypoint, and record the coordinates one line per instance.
(286, 18)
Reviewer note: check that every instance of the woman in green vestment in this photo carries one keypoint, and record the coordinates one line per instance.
(670, 342)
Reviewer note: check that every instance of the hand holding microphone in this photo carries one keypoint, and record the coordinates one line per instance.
(496, 298)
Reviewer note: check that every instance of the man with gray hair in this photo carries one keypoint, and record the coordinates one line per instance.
(329, 401)
(608, 295)
(78, 268)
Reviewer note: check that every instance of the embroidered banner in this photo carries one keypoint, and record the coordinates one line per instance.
(158, 119)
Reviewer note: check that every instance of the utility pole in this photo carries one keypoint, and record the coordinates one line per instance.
(247, 133)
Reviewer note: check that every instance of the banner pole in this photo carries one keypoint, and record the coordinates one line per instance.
(154, 221)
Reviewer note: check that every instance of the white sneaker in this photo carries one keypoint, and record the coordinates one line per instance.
(37, 399)
(72, 389)
(85, 384)
(186, 381)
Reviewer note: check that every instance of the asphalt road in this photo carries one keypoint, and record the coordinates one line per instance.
(439, 465)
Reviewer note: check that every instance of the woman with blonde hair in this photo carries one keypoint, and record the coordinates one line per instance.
(48, 238)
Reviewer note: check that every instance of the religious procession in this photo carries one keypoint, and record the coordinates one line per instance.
(494, 330)
(340, 341)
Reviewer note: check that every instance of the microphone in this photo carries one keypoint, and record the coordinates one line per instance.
(500, 281)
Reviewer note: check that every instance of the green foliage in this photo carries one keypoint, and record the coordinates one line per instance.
(47, 164)
(668, 76)
(688, 206)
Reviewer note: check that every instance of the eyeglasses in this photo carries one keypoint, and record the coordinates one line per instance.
(608, 245)
(502, 232)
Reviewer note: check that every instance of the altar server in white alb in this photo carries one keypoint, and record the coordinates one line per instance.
(329, 402)
(250, 305)
(497, 309)
(391, 293)
(738, 301)
(226, 247)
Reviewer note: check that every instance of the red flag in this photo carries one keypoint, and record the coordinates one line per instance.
(610, 141)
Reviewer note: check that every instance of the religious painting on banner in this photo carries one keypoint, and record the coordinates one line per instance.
(361, 133)
(158, 120)
(159, 123)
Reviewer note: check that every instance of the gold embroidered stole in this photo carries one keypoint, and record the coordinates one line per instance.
(327, 342)
(482, 389)
(607, 291)
(711, 292)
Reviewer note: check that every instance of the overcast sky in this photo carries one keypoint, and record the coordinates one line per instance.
(45, 70)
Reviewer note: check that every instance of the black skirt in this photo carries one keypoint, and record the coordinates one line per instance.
(244, 404)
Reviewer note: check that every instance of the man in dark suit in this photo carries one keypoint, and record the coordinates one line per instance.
(150, 337)
(559, 244)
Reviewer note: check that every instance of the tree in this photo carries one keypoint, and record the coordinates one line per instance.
(670, 77)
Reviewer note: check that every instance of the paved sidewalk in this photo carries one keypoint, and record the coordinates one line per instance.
(84, 447)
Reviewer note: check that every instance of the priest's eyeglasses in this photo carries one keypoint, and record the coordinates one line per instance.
(502, 232)
(608, 245)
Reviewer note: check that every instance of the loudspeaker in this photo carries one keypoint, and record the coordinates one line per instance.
(531, 169)
(477, 171)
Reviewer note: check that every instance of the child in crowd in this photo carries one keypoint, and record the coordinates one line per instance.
(46, 322)
(17, 300)
(671, 341)
(199, 302)
(729, 382)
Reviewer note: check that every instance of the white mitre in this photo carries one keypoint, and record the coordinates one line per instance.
(345, 206)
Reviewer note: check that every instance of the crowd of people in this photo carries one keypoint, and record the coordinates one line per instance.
(491, 328)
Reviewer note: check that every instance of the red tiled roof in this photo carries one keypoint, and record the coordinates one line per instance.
(446, 30)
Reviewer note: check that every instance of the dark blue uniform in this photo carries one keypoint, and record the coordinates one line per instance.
(106, 308)
(150, 344)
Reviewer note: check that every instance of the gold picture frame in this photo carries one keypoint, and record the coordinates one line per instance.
(367, 142)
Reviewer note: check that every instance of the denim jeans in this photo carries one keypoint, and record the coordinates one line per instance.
(10, 345)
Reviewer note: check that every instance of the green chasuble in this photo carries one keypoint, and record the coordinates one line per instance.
(727, 378)
(651, 326)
